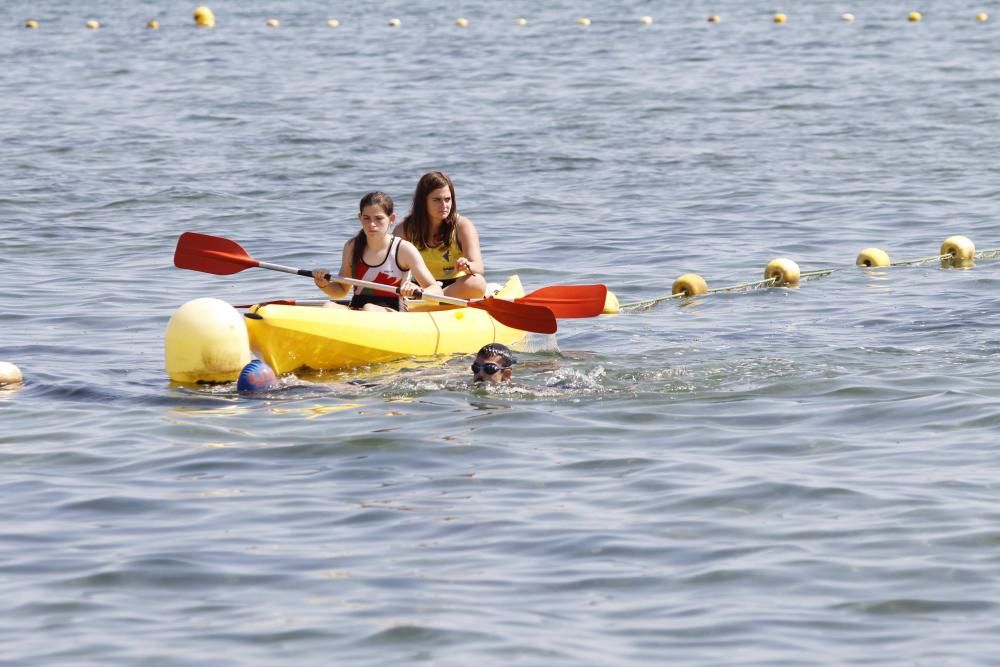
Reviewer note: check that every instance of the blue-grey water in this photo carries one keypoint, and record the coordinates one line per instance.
(768, 477)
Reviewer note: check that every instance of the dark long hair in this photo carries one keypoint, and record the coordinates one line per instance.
(383, 201)
(417, 224)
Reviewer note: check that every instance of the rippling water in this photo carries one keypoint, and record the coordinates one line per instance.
(759, 477)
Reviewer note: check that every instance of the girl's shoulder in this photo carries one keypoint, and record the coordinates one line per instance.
(463, 222)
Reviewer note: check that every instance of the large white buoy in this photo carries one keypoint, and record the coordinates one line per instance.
(9, 374)
(206, 341)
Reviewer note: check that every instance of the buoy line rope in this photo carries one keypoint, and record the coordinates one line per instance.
(956, 251)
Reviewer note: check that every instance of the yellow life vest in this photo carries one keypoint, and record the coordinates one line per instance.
(440, 260)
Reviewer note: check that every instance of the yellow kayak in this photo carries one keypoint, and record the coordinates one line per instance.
(292, 337)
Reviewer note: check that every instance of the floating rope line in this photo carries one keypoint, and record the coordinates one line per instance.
(956, 251)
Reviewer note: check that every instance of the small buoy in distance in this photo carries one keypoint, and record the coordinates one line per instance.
(780, 18)
(153, 24)
(520, 21)
(273, 23)
(395, 23)
(9, 374)
(256, 376)
(961, 249)
(914, 17)
(611, 304)
(783, 271)
(583, 20)
(690, 284)
(873, 258)
(847, 17)
(93, 24)
(715, 18)
(333, 23)
(462, 22)
(31, 24)
(646, 20)
(982, 17)
(203, 17)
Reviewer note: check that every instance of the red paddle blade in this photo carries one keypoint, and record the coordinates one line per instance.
(569, 300)
(525, 317)
(211, 254)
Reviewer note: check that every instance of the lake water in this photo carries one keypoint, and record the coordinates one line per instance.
(756, 477)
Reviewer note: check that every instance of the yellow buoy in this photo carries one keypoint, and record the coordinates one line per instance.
(780, 18)
(273, 23)
(520, 21)
(982, 17)
(31, 24)
(333, 23)
(847, 17)
(783, 271)
(462, 22)
(611, 305)
(914, 17)
(583, 20)
(715, 18)
(206, 341)
(153, 24)
(690, 284)
(395, 23)
(872, 257)
(646, 20)
(961, 249)
(203, 17)
(93, 24)
(9, 374)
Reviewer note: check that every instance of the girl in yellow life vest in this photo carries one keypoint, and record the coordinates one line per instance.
(448, 242)
(377, 256)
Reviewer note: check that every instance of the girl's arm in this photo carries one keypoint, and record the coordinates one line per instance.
(472, 257)
(409, 258)
(332, 289)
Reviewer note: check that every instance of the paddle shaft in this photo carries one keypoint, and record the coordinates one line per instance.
(419, 294)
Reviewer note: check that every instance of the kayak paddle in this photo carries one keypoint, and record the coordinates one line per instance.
(222, 257)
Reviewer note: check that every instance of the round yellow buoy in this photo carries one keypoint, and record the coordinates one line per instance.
(395, 23)
(333, 23)
(780, 18)
(203, 17)
(784, 272)
(715, 18)
(521, 21)
(206, 341)
(153, 24)
(982, 17)
(462, 22)
(273, 23)
(690, 284)
(873, 257)
(93, 24)
(960, 248)
(914, 17)
(31, 24)
(9, 374)
(611, 305)
(583, 20)
(646, 20)
(847, 17)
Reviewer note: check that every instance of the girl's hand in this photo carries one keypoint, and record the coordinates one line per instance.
(319, 277)
(408, 289)
(463, 264)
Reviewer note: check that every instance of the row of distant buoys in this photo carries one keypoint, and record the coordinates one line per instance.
(956, 251)
(205, 18)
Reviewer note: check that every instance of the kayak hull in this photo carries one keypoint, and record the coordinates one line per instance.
(288, 338)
